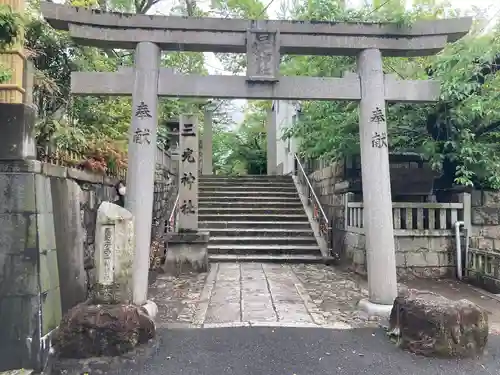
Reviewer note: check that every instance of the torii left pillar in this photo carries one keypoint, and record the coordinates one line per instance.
(141, 160)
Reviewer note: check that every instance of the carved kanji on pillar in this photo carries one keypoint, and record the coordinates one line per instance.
(262, 56)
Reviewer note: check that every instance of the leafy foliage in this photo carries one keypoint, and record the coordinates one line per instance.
(242, 150)
(10, 31)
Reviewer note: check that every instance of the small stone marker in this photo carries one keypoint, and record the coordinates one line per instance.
(114, 254)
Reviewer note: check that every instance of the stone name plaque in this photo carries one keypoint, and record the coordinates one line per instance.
(263, 56)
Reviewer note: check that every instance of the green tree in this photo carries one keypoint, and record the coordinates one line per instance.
(458, 134)
(11, 25)
(242, 150)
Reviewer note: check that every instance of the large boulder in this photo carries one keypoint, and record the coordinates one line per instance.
(102, 330)
(432, 325)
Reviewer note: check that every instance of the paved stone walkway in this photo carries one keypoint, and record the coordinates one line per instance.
(296, 295)
(260, 294)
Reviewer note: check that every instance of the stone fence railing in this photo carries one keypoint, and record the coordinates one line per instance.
(417, 219)
(424, 236)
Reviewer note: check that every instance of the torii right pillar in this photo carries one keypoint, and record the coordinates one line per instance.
(377, 200)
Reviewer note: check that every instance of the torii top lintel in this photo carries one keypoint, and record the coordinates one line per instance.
(121, 30)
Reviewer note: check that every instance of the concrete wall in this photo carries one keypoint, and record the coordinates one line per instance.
(286, 113)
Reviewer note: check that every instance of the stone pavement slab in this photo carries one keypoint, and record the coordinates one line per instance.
(177, 298)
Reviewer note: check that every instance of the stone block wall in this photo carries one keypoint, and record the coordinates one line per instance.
(416, 256)
(325, 182)
(485, 212)
(47, 216)
(484, 252)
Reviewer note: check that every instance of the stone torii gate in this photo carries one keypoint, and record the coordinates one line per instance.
(263, 41)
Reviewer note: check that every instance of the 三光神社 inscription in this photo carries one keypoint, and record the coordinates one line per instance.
(188, 207)
(188, 174)
(188, 179)
(187, 155)
(188, 130)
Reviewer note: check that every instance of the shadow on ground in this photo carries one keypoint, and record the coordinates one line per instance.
(298, 351)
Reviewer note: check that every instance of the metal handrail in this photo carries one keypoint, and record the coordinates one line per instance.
(173, 213)
(310, 187)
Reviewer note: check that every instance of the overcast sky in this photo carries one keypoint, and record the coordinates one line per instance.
(491, 10)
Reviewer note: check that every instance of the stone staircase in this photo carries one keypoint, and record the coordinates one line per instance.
(255, 218)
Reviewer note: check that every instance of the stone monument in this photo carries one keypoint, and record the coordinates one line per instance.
(114, 254)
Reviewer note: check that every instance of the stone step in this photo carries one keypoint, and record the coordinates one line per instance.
(268, 241)
(231, 184)
(245, 188)
(264, 258)
(251, 203)
(248, 249)
(260, 232)
(245, 178)
(247, 193)
(252, 199)
(255, 224)
(252, 217)
(251, 210)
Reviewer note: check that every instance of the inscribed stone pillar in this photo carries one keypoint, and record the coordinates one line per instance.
(188, 174)
(271, 142)
(377, 201)
(141, 159)
(114, 254)
(187, 250)
(207, 144)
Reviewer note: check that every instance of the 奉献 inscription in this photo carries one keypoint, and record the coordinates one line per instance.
(188, 179)
(141, 136)
(377, 116)
(379, 140)
(142, 111)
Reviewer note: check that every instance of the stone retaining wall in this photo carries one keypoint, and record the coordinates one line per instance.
(48, 216)
(483, 265)
(416, 256)
(421, 255)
